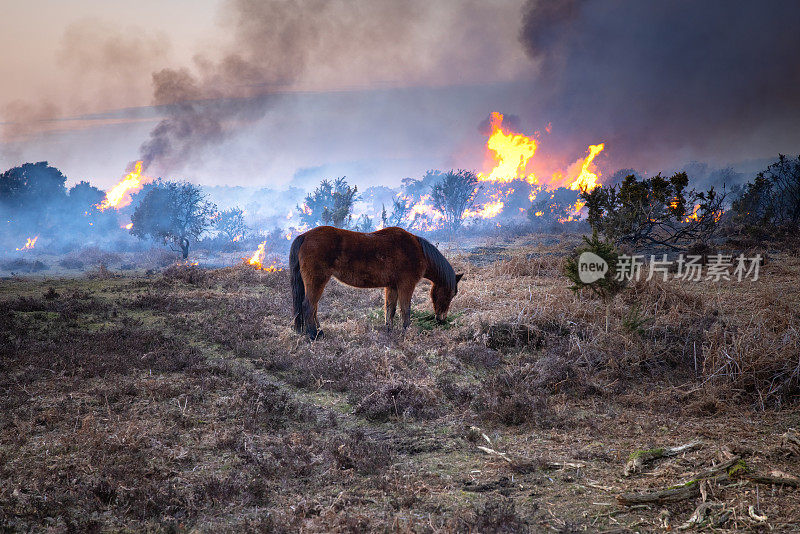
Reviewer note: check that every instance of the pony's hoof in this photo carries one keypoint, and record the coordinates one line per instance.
(317, 336)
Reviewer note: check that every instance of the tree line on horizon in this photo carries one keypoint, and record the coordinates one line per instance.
(34, 199)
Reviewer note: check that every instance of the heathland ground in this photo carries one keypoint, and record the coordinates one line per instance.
(181, 400)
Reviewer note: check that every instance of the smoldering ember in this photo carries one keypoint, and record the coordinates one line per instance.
(399, 266)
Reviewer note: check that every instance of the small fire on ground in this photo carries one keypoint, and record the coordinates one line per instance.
(257, 260)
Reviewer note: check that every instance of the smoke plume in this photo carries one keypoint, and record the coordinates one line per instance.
(658, 78)
(272, 44)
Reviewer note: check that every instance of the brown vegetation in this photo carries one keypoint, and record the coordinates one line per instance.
(184, 400)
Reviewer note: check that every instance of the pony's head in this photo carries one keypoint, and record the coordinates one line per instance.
(442, 295)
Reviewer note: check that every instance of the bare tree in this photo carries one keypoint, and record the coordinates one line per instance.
(773, 198)
(401, 208)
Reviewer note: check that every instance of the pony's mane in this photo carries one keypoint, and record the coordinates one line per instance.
(441, 267)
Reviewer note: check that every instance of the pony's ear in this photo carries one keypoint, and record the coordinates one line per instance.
(458, 277)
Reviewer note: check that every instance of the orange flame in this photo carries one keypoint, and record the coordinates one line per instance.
(586, 179)
(128, 226)
(511, 153)
(119, 196)
(257, 259)
(29, 243)
(693, 216)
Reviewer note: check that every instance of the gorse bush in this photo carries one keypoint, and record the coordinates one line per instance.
(331, 203)
(654, 211)
(453, 195)
(605, 287)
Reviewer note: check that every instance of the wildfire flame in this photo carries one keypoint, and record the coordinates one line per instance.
(511, 152)
(257, 259)
(128, 226)
(119, 196)
(693, 216)
(29, 243)
(586, 179)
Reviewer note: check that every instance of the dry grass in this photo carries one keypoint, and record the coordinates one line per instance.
(184, 401)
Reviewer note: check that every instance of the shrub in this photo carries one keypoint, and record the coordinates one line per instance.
(453, 195)
(772, 199)
(330, 203)
(71, 263)
(607, 286)
(23, 266)
(654, 211)
(498, 515)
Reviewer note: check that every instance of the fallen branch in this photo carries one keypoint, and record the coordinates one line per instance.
(687, 490)
(775, 477)
(565, 465)
(520, 463)
(733, 469)
(638, 459)
(493, 452)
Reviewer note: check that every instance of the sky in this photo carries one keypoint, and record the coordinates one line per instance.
(272, 93)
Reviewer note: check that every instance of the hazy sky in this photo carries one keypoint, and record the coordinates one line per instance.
(272, 92)
(38, 36)
(74, 62)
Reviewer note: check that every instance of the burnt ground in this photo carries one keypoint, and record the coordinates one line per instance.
(183, 401)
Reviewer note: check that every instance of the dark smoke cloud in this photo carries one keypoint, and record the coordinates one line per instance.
(677, 77)
(273, 44)
(546, 21)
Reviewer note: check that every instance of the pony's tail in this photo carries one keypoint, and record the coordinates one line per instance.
(298, 288)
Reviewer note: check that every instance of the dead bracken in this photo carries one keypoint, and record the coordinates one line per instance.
(182, 400)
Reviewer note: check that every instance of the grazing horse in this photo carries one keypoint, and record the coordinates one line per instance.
(390, 258)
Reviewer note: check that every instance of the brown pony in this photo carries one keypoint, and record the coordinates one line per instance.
(391, 258)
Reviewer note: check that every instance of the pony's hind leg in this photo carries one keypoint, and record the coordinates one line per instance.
(390, 306)
(313, 294)
(299, 322)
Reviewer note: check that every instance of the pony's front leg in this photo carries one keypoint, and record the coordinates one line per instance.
(405, 294)
(389, 306)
